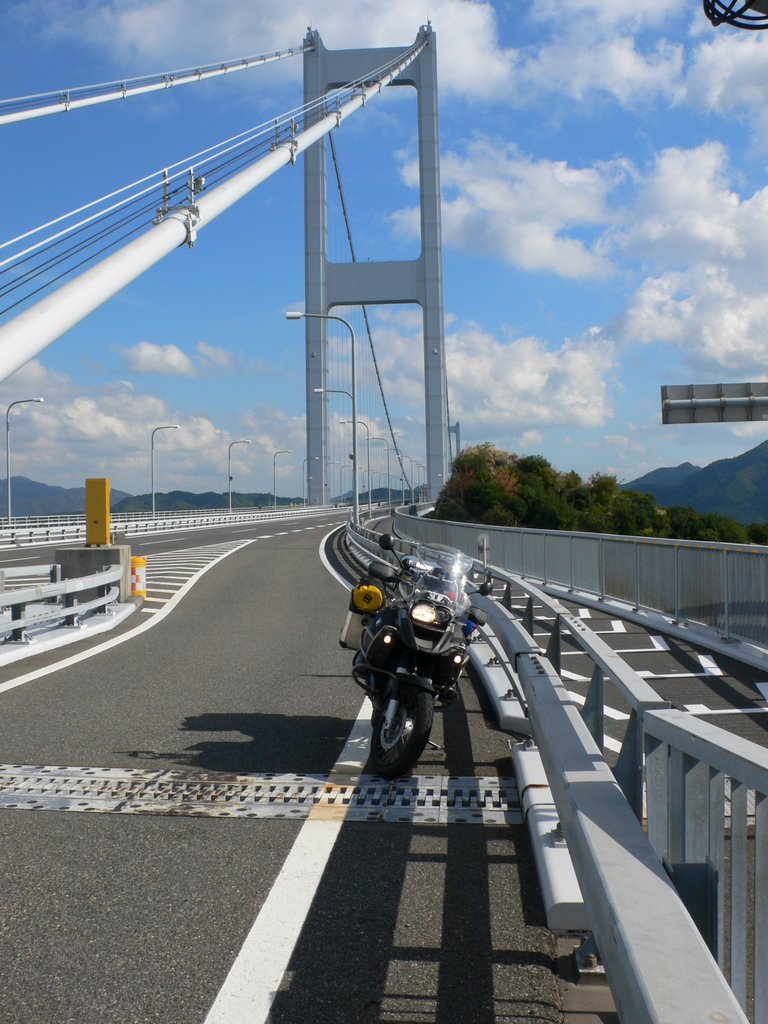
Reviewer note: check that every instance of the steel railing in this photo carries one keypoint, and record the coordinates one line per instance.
(33, 606)
(676, 976)
(65, 529)
(722, 587)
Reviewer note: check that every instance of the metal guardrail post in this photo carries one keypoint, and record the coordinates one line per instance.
(592, 712)
(70, 601)
(17, 614)
(726, 598)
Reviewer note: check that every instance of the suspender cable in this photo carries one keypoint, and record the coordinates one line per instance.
(36, 327)
(364, 308)
(23, 108)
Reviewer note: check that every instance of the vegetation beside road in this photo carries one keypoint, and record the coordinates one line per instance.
(491, 486)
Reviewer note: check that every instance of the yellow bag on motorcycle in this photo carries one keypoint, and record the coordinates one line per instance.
(366, 598)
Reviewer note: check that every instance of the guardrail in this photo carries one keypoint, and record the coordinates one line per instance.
(701, 779)
(628, 893)
(66, 529)
(55, 603)
(723, 587)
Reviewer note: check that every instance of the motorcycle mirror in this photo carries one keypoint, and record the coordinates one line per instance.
(485, 588)
(386, 542)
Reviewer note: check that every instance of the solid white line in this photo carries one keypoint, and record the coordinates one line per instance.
(763, 688)
(702, 709)
(618, 716)
(254, 978)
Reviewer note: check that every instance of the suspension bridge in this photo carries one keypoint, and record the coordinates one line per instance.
(230, 859)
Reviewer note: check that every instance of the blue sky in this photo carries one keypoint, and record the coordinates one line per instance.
(604, 223)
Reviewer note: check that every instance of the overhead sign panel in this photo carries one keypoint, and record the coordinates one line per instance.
(714, 403)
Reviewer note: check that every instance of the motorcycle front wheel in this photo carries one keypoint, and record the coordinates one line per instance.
(394, 752)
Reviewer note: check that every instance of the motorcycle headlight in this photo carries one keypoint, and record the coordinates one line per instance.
(423, 612)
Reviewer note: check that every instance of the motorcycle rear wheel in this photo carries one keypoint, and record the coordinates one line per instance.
(395, 754)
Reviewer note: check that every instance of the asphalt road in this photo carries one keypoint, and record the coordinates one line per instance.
(110, 917)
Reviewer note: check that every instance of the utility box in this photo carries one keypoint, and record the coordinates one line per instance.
(97, 521)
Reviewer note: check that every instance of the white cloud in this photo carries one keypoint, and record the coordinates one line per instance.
(155, 34)
(523, 382)
(685, 210)
(625, 444)
(531, 440)
(727, 77)
(502, 203)
(213, 358)
(705, 312)
(145, 357)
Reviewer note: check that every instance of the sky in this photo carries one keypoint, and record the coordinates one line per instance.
(604, 217)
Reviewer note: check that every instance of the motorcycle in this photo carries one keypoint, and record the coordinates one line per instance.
(411, 627)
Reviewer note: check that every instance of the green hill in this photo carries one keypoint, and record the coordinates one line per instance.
(31, 498)
(736, 487)
(178, 501)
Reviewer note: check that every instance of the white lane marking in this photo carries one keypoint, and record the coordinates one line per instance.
(702, 709)
(156, 616)
(709, 665)
(585, 613)
(617, 716)
(321, 552)
(647, 674)
(763, 688)
(254, 978)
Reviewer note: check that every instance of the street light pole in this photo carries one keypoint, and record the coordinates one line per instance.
(293, 315)
(385, 443)
(246, 440)
(328, 483)
(305, 477)
(168, 426)
(393, 448)
(355, 495)
(19, 401)
(283, 451)
(368, 439)
(412, 462)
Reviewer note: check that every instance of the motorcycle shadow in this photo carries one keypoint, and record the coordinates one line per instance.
(249, 743)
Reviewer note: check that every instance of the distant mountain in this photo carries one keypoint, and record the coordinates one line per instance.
(669, 477)
(179, 501)
(736, 487)
(30, 498)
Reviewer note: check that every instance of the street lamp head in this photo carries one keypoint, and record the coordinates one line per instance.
(294, 314)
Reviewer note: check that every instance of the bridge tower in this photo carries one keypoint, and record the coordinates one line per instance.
(329, 284)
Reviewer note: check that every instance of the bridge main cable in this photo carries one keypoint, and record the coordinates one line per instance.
(61, 101)
(27, 334)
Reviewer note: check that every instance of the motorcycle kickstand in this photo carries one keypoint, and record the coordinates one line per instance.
(433, 745)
